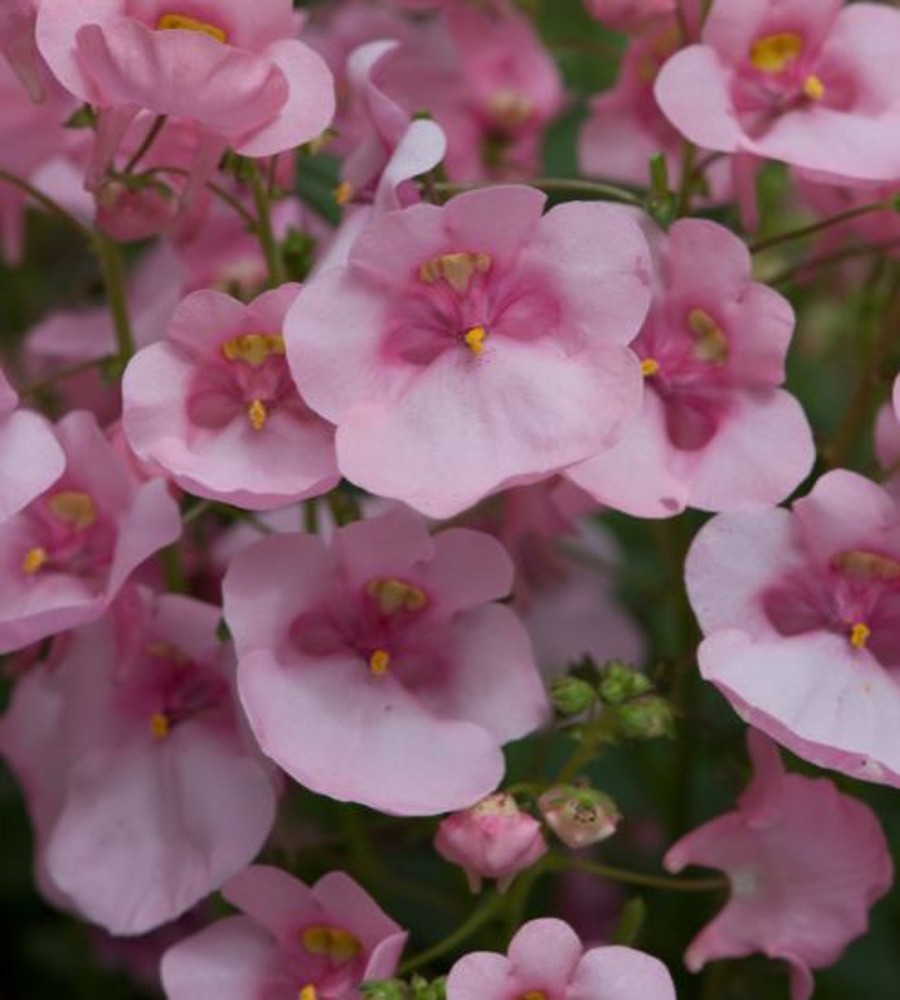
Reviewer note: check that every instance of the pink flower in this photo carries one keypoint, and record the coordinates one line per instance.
(131, 753)
(547, 960)
(215, 406)
(805, 864)
(237, 72)
(492, 839)
(801, 612)
(630, 15)
(471, 347)
(378, 670)
(293, 941)
(30, 456)
(716, 432)
(68, 553)
(812, 84)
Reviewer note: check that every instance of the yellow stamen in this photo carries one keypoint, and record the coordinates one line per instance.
(474, 338)
(33, 560)
(534, 995)
(257, 414)
(181, 22)
(455, 268)
(774, 53)
(710, 342)
(859, 635)
(331, 942)
(73, 507)
(309, 992)
(379, 662)
(254, 348)
(867, 565)
(159, 725)
(649, 367)
(813, 87)
(343, 193)
(393, 594)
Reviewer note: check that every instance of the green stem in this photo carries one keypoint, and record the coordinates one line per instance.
(624, 875)
(828, 260)
(555, 185)
(584, 754)
(486, 912)
(220, 192)
(197, 511)
(270, 247)
(343, 506)
(114, 281)
(149, 139)
(45, 201)
(685, 190)
(817, 227)
(311, 516)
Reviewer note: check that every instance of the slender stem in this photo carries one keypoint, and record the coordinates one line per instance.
(555, 185)
(311, 516)
(220, 192)
(586, 752)
(628, 877)
(114, 281)
(481, 916)
(863, 394)
(686, 188)
(827, 260)
(196, 512)
(45, 201)
(343, 506)
(817, 227)
(149, 139)
(264, 231)
(35, 388)
(173, 571)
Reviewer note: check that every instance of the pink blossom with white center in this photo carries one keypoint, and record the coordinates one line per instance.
(379, 669)
(812, 84)
(805, 864)
(801, 613)
(716, 432)
(30, 456)
(238, 72)
(215, 405)
(547, 961)
(66, 555)
(144, 791)
(292, 942)
(468, 348)
(492, 839)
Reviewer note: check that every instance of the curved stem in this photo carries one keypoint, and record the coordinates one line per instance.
(556, 185)
(220, 192)
(817, 227)
(628, 877)
(114, 282)
(827, 260)
(149, 139)
(45, 201)
(264, 230)
(481, 916)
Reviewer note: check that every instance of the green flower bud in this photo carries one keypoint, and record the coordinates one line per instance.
(385, 989)
(645, 718)
(571, 695)
(620, 681)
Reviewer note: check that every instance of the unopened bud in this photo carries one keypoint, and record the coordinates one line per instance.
(424, 990)
(572, 695)
(385, 989)
(579, 816)
(620, 681)
(645, 718)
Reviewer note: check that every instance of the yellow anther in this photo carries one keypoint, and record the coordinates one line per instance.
(813, 87)
(649, 367)
(379, 662)
(254, 348)
(343, 193)
(475, 337)
(33, 560)
(73, 507)
(330, 942)
(867, 565)
(257, 414)
(859, 635)
(710, 343)
(509, 108)
(534, 995)
(309, 992)
(393, 594)
(455, 268)
(774, 53)
(159, 725)
(181, 22)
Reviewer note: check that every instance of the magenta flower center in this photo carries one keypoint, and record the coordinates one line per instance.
(67, 535)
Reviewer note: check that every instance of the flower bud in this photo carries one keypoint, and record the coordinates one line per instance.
(572, 695)
(384, 989)
(579, 816)
(492, 839)
(645, 718)
(620, 681)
